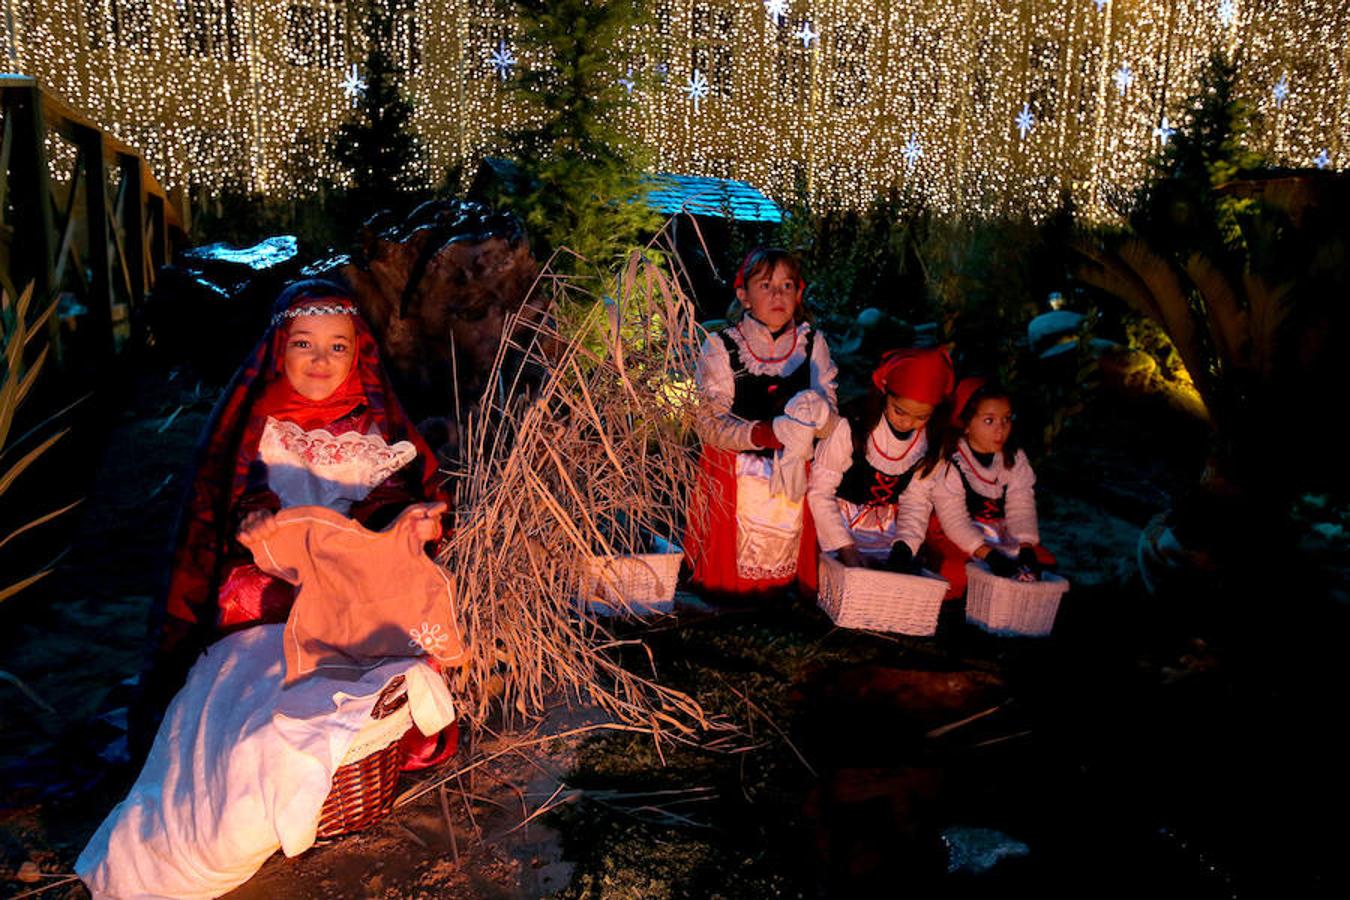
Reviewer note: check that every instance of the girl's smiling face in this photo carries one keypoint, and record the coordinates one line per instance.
(990, 426)
(320, 351)
(771, 296)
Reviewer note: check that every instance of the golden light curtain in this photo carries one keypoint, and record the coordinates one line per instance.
(843, 96)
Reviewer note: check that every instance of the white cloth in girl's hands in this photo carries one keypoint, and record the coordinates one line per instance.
(789, 464)
(809, 408)
(803, 417)
(317, 468)
(239, 768)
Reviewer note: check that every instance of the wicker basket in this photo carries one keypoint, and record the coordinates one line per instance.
(1008, 607)
(363, 785)
(637, 585)
(878, 600)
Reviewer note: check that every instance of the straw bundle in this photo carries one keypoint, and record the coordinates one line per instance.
(579, 448)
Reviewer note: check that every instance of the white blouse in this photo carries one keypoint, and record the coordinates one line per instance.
(317, 468)
(718, 426)
(836, 519)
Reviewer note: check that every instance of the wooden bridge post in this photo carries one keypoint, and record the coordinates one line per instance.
(33, 252)
(137, 264)
(89, 143)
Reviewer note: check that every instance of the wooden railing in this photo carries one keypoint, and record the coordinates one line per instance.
(100, 237)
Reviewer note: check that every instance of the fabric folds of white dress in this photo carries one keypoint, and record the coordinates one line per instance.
(239, 769)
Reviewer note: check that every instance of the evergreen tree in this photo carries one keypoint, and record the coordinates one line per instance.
(1178, 206)
(377, 144)
(581, 176)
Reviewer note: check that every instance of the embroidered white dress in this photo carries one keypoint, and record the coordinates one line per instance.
(241, 765)
(1010, 487)
(317, 468)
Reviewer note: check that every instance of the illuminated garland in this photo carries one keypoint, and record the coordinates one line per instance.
(972, 105)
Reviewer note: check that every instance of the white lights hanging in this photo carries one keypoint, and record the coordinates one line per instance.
(826, 95)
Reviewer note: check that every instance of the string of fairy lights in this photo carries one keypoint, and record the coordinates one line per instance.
(969, 105)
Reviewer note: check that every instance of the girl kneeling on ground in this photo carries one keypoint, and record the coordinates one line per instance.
(983, 497)
(863, 468)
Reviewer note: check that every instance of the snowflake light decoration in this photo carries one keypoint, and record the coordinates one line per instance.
(353, 85)
(1227, 12)
(1281, 90)
(1164, 132)
(776, 10)
(627, 82)
(911, 151)
(1124, 77)
(806, 35)
(502, 60)
(1322, 159)
(697, 88)
(1025, 121)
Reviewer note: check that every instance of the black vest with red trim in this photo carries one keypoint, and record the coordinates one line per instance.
(980, 507)
(760, 397)
(866, 485)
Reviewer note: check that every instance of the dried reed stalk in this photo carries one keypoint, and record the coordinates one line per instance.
(578, 449)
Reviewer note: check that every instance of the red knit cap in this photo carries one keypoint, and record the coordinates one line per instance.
(924, 376)
(964, 391)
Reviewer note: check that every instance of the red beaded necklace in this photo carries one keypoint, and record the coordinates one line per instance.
(974, 470)
(761, 359)
(884, 455)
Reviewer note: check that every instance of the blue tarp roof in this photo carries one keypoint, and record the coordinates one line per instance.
(704, 196)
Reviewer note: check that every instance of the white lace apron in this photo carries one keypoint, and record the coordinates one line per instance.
(769, 527)
(316, 468)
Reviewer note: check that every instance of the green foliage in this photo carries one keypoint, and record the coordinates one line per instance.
(1237, 269)
(855, 259)
(1179, 205)
(581, 181)
(376, 144)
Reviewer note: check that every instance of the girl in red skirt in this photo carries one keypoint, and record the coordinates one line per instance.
(767, 387)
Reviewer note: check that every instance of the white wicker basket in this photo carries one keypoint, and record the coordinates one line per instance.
(634, 585)
(878, 600)
(1008, 607)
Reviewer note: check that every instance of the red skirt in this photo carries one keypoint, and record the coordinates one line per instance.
(710, 540)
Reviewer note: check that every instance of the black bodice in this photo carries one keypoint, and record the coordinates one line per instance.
(761, 397)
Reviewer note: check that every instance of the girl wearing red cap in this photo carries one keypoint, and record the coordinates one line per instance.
(767, 387)
(862, 469)
(984, 498)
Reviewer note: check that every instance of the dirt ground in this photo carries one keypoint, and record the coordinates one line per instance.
(1129, 753)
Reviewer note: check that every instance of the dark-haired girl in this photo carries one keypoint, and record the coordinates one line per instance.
(984, 497)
